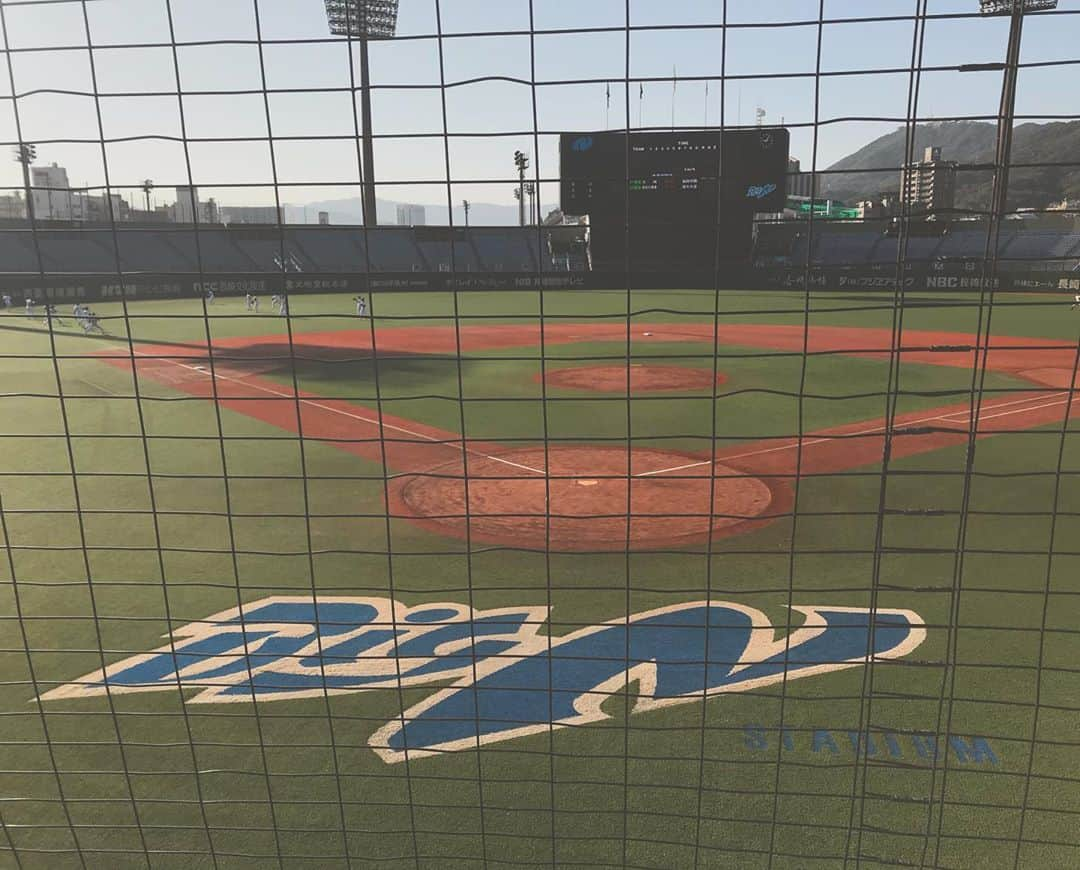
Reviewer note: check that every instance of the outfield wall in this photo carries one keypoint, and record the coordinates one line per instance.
(178, 286)
(957, 277)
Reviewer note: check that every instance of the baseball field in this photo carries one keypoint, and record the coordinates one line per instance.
(561, 578)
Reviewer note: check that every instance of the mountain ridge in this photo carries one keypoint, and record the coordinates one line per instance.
(1041, 154)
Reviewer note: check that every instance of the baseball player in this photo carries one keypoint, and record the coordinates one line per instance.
(51, 316)
(90, 322)
(361, 305)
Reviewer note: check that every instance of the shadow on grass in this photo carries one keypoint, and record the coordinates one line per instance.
(328, 364)
(62, 332)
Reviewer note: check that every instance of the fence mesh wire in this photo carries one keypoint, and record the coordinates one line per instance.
(337, 544)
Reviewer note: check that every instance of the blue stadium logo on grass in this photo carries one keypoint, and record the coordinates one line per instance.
(584, 143)
(509, 680)
(760, 191)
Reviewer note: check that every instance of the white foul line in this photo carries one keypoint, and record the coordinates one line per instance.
(206, 371)
(103, 389)
(869, 432)
(984, 416)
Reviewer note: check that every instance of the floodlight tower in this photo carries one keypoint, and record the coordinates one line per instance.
(25, 153)
(530, 191)
(521, 161)
(364, 20)
(1016, 10)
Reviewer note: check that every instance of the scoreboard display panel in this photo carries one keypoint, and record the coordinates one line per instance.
(673, 172)
(673, 200)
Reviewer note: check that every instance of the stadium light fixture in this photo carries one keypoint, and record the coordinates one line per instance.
(25, 153)
(364, 20)
(1006, 7)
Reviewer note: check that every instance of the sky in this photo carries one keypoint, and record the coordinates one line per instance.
(129, 74)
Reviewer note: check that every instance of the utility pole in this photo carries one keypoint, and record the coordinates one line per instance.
(26, 154)
(147, 186)
(521, 161)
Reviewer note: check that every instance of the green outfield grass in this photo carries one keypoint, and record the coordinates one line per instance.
(90, 572)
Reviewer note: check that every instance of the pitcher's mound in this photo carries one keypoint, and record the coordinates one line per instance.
(643, 379)
(597, 498)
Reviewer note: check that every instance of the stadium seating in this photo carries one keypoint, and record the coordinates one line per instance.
(156, 251)
(271, 254)
(77, 251)
(1027, 249)
(17, 252)
(834, 243)
(328, 249)
(502, 249)
(391, 250)
(847, 247)
(220, 254)
(447, 250)
(223, 250)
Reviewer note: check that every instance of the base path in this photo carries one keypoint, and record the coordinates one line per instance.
(588, 497)
(395, 442)
(1034, 358)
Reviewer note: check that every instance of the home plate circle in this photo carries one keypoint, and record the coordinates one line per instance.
(626, 499)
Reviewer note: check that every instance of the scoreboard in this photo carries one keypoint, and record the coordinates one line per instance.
(690, 193)
(673, 171)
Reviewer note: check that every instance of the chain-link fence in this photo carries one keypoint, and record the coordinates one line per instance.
(539, 433)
